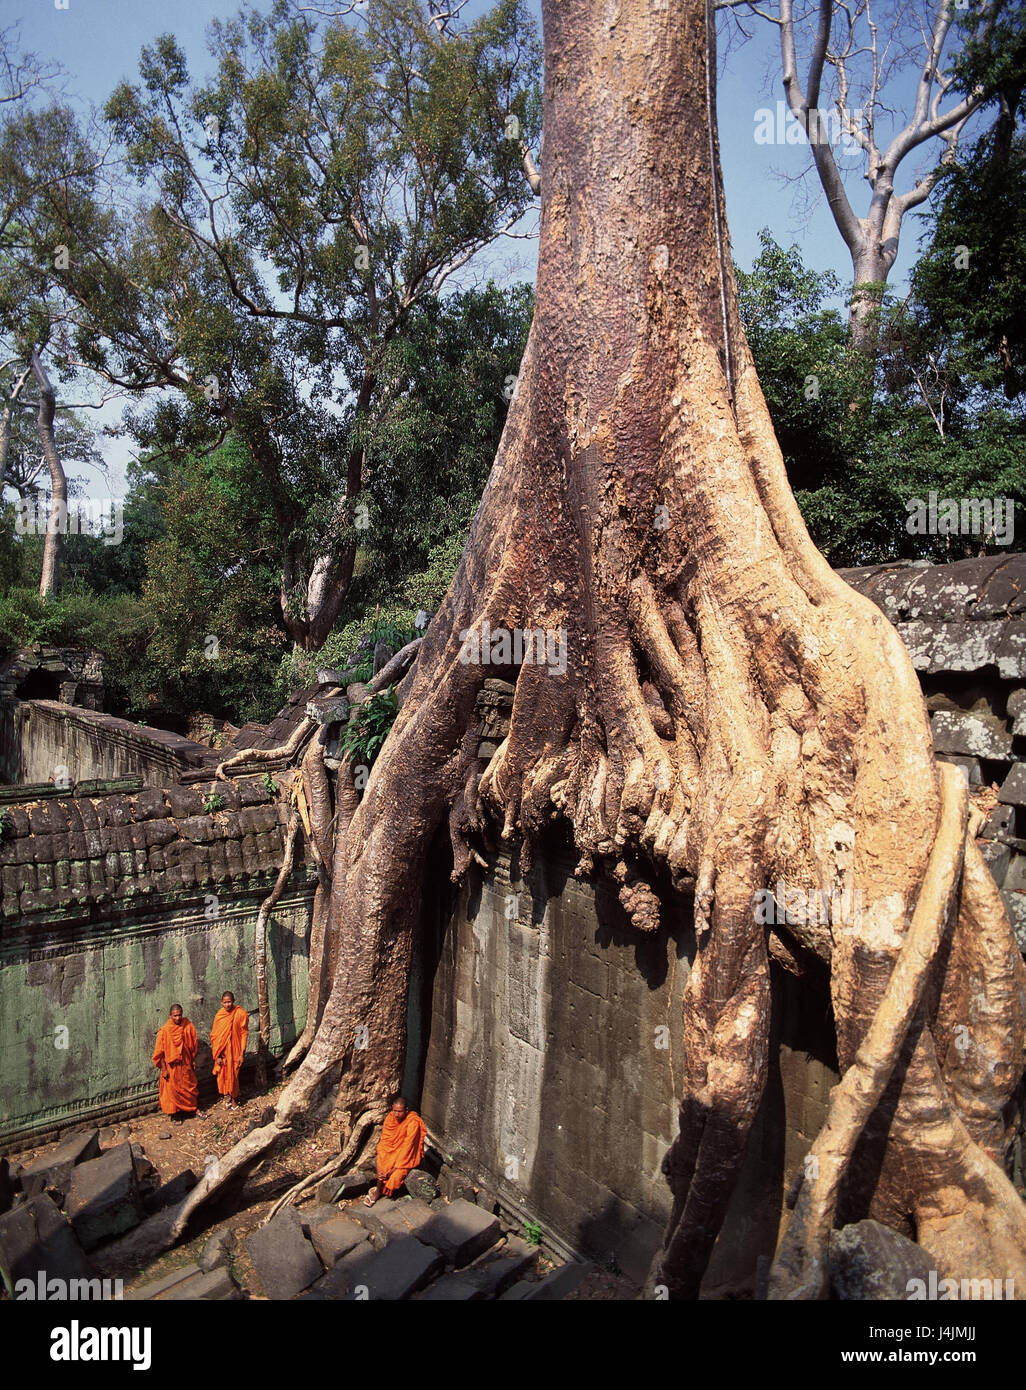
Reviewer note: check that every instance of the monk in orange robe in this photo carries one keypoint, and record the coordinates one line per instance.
(400, 1149)
(228, 1037)
(175, 1055)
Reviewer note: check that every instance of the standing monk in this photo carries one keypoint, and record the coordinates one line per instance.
(175, 1055)
(400, 1149)
(228, 1036)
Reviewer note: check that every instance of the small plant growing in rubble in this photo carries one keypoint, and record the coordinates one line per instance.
(269, 784)
(213, 802)
(368, 726)
(532, 1232)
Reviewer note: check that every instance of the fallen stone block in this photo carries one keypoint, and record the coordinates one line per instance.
(404, 1266)
(342, 1188)
(554, 1286)
(55, 1168)
(458, 1287)
(104, 1198)
(389, 1219)
(868, 1262)
(312, 1216)
(420, 1183)
(498, 1269)
(35, 1237)
(335, 1238)
(285, 1261)
(972, 735)
(460, 1231)
(156, 1287)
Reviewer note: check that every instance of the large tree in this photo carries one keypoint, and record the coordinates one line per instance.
(878, 80)
(731, 714)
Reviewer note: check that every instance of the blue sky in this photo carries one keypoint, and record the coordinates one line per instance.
(97, 43)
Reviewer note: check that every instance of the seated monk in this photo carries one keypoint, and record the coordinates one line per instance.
(400, 1149)
(228, 1036)
(175, 1055)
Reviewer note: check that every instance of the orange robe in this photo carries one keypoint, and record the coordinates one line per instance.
(400, 1148)
(228, 1036)
(176, 1046)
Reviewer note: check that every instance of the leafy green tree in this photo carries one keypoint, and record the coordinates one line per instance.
(935, 421)
(328, 180)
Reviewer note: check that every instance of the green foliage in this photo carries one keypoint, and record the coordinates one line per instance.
(116, 626)
(368, 726)
(269, 785)
(971, 280)
(213, 802)
(859, 452)
(532, 1233)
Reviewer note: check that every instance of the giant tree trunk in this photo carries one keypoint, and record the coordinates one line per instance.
(730, 712)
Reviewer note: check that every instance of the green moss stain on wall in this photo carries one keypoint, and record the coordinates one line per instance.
(81, 1001)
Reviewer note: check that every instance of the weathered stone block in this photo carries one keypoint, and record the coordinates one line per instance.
(336, 1237)
(420, 1183)
(183, 802)
(869, 1262)
(104, 1199)
(554, 1286)
(1013, 788)
(975, 735)
(252, 792)
(56, 1166)
(1000, 822)
(497, 1270)
(394, 1273)
(461, 1231)
(284, 1259)
(349, 1185)
(390, 1220)
(199, 829)
(257, 820)
(149, 805)
(35, 1237)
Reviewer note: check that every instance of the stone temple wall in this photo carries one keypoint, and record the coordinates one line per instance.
(114, 906)
(53, 740)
